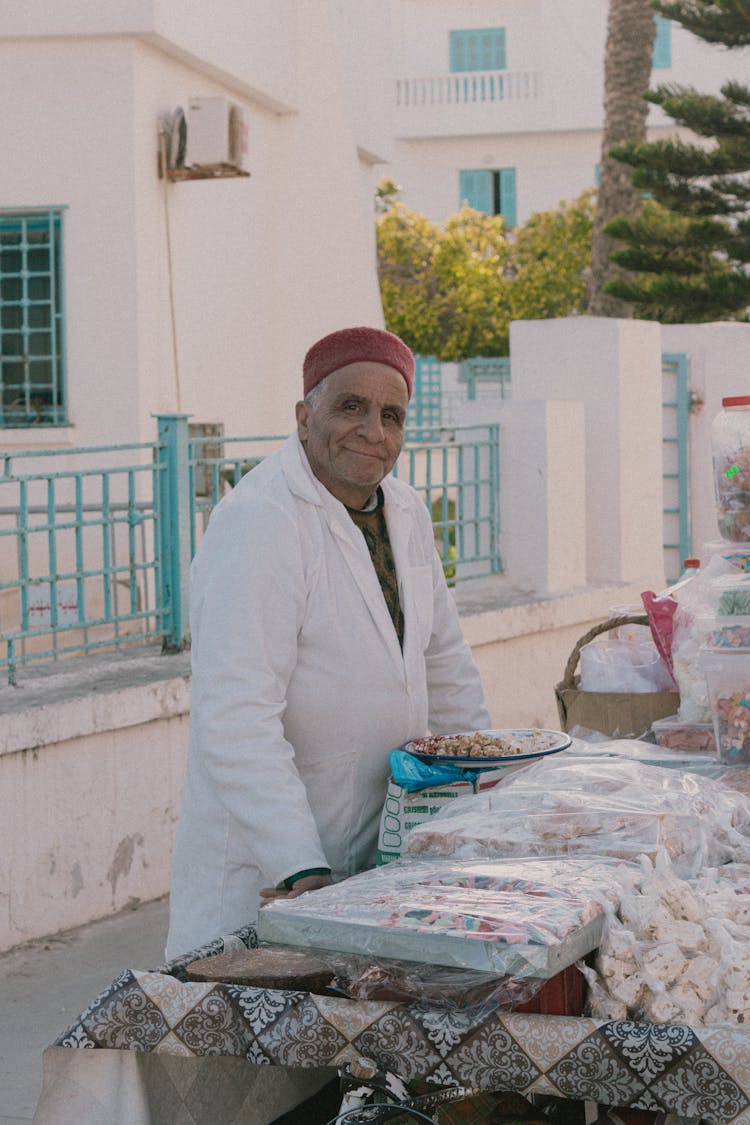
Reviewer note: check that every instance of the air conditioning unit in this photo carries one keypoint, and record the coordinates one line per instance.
(216, 133)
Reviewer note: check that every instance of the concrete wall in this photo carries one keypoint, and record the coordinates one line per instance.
(614, 367)
(91, 765)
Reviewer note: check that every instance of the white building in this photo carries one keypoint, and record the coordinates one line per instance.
(501, 101)
(125, 293)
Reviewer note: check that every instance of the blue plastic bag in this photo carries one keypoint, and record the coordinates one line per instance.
(412, 774)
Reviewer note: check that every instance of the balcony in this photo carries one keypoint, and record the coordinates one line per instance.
(469, 103)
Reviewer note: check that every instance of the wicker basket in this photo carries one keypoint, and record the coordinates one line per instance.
(615, 714)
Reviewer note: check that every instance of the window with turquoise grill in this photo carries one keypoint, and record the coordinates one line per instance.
(32, 344)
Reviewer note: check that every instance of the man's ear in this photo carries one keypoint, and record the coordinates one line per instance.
(302, 411)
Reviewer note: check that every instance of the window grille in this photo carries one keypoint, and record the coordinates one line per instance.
(426, 406)
(32, 346)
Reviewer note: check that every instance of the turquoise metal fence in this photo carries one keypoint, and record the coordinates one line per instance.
(482, 369)
(457, 474)
(96, 542)
(676, 414)
(78, 564)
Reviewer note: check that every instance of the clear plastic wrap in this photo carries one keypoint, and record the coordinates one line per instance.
(591, 806)
(479, 931)
(694, 620)
(624, 664)
(677, 951)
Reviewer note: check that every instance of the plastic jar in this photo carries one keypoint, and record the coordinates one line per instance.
(730, 446)
(727, 673)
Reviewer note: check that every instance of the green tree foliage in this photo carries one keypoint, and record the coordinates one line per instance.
(451, 290)
(551, 253)
(690, 248)
(726, 22)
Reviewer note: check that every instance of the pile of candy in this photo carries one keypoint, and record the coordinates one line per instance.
(732, 476)
(733, 722)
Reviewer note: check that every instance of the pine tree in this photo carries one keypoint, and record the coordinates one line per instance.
(689, 250)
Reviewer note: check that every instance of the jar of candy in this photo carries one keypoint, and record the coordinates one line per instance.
(730, 445)
(727, 673)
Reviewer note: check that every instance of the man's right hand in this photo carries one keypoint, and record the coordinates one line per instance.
(306, 883)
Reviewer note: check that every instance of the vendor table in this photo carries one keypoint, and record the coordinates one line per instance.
(163, 1049)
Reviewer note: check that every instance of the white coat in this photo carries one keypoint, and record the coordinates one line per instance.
(300, 689)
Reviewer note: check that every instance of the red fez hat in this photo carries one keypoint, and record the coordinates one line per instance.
(355, 345)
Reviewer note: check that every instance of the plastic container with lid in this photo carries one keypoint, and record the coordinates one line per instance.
(727, 673)
(738, 554)
(675, 734)
(730, 447)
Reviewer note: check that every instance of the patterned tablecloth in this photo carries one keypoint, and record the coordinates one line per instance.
(692, 1072)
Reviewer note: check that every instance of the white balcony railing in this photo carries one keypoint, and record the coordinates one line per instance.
(469, 88)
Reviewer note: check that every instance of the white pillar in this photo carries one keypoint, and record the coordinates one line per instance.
(542, 491)
(614, 367)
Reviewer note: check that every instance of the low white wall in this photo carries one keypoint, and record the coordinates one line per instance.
(91, 765)
(93, 754)
(614, 368)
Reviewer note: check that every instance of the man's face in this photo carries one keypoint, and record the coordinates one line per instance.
(354, 436)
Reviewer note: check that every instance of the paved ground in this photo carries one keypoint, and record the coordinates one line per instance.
(45, 984)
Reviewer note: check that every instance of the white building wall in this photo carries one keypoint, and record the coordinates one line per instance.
(250, 45)
(260, 265)
(71, 145)
(614, 368)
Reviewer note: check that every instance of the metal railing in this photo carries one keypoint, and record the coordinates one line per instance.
(96, 542)
(78, 568)
(469, 88)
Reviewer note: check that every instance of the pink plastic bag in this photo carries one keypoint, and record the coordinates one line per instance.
(661, 610)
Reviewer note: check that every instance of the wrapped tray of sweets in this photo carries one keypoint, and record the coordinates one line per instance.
(511, 918)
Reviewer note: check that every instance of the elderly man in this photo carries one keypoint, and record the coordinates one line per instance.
(323, 635)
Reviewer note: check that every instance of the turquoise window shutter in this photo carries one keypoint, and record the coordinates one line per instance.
(492, 48)
(508, 195)
(482, 49)
(457, 51)
(662, 56)
(475, 186)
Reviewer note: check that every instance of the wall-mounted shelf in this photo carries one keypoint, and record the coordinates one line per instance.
(204, 172)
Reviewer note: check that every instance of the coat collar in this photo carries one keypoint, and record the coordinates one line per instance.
(303, 482)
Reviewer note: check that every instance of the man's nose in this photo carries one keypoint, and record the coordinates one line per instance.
(372, 426)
